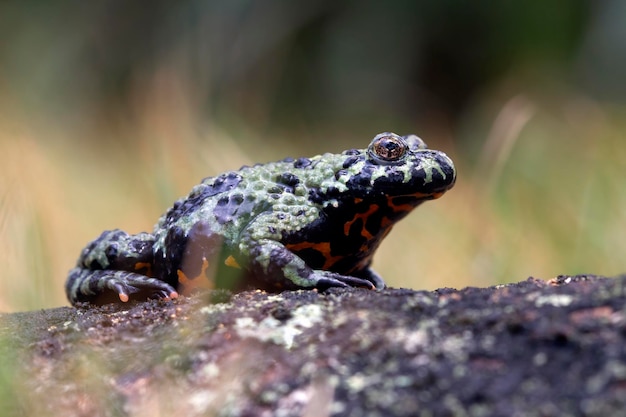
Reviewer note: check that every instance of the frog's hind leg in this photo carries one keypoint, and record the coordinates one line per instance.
(114, 267)
(106, 286)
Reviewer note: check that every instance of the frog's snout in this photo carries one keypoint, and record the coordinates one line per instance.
(447, 169)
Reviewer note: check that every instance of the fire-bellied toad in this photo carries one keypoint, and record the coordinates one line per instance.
(297, 223)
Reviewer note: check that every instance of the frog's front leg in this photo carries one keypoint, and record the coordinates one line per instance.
(116, 266)
(272, 262)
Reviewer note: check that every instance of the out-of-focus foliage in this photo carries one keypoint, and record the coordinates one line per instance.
(281, 63)
(109, 110)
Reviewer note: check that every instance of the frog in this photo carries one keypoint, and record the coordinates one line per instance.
(297, 224)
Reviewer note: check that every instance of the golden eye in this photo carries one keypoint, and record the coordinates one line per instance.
(388, 148)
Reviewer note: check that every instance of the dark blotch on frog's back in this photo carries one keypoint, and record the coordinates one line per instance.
(221, 184)
(240, 207)
(317, 196)
(227, 208)
(302, 163)
(237, 206)
(361, 179)
(351, 160)
(289, 180)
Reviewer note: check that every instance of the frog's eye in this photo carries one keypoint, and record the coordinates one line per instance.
(387, 148)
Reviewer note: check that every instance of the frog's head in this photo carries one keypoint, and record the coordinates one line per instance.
(399, 168)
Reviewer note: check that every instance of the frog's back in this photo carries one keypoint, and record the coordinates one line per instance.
(228, 202)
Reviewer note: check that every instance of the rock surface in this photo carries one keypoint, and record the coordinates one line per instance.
(534, 348)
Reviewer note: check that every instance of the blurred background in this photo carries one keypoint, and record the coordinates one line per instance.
(110, 110)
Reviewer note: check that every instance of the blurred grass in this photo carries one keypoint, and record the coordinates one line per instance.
(540, 196)
(104, 128)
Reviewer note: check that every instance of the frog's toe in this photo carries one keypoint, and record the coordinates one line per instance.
(124, 292)
(373, 277)
(140, 287)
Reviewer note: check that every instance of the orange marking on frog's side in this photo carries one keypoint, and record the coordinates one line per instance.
(146, 266)
(408, 206)
(417, 196)
(188, 284)
(363, 216)
(231, 262)
(321, 247)
(400, 207)
(385, 224)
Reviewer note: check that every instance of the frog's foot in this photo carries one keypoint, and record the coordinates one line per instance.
(327, 279)
(101, 286)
